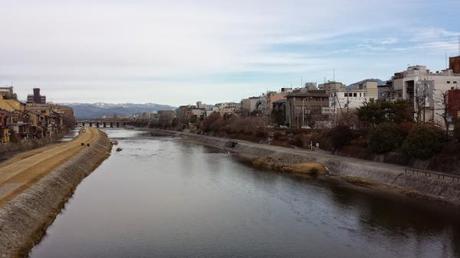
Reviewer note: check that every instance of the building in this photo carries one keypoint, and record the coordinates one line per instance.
(7, 93)
(454, 64)
(426, 90)
(273, 96)
(228, 108)
(305, 109)
(36, 97)
(353, 97)
(251, 105)
(190, 114)
(453, 100)
(279, 110)
(332, 86)
(166, 118)
(20, 121)
(17, 119)
(4, 126)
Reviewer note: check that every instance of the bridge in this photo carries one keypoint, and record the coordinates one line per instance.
(103, 123)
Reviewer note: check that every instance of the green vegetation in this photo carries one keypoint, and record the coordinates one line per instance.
(376, 112)
(385, 137)
(423, 142)
(340, 136)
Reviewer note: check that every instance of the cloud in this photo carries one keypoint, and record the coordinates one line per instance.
(119, 47)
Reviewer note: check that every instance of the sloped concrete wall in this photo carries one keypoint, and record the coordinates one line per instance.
(24, 219)
(430, 184)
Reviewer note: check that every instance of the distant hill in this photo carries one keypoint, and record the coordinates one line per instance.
(97, 110)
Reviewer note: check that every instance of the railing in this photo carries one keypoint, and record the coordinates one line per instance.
(433, 174)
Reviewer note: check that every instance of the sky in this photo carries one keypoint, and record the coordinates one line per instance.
(178, 52)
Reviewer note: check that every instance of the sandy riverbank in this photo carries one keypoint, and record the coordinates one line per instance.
(35, 185)
(439, 187)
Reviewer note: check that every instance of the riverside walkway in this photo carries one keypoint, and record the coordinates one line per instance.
(23, 170)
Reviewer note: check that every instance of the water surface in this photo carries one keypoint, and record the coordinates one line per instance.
(161, 197)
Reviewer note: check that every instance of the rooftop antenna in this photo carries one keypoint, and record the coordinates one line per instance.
(333, 74)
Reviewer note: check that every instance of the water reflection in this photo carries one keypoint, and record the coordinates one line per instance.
(162, 197)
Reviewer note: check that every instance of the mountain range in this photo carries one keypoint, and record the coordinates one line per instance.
(98, 110)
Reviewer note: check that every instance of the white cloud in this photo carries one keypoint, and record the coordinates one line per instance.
(119, 47)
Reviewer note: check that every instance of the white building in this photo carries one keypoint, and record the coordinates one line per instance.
(251, 104)
(228, 108)
(425, 89)
(353, 97)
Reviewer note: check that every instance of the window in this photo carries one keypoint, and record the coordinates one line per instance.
(455, 82)
(355, 94)
(448, 82)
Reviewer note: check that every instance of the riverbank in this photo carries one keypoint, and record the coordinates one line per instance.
(443, 188)
(34, 188)
(10, 150)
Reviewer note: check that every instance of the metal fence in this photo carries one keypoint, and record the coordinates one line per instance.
(432, 174)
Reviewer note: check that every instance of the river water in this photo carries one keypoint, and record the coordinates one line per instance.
(161, 197)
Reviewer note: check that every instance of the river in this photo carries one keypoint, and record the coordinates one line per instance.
(161, 197)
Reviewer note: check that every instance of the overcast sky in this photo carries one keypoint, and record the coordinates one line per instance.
(177, 52)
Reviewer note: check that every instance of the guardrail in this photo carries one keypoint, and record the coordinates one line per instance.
(433, 174)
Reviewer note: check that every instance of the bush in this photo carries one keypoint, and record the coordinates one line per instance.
(385, 137)
(299, 140)
(423, 142)
(340, 136)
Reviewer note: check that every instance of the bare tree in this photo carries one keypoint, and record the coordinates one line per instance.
(445, 111)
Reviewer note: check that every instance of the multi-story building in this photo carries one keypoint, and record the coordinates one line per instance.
(4, 126)
(454, 64)
(453, 100)
(279, 112)
(273, 96)
(332, 86)
(305, 109)
(228, 108)
(353, 97)
(426, 90)
(7, 92)
(166, 118)
(36, 97)
(251, 105)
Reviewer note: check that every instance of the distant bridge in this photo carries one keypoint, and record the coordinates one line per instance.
(103, 123)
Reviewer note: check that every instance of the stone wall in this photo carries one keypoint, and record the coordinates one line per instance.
(24, 220)
(421, 183)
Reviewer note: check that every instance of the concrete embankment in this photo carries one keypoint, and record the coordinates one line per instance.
(24, 218)
(381, 176)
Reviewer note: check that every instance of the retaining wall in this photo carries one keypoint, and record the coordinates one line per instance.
(24, 219)
(422, 183)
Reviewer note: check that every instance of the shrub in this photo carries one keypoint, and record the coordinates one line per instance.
(299, 140)
(423, 142)
(385, 137)
(340, 136)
